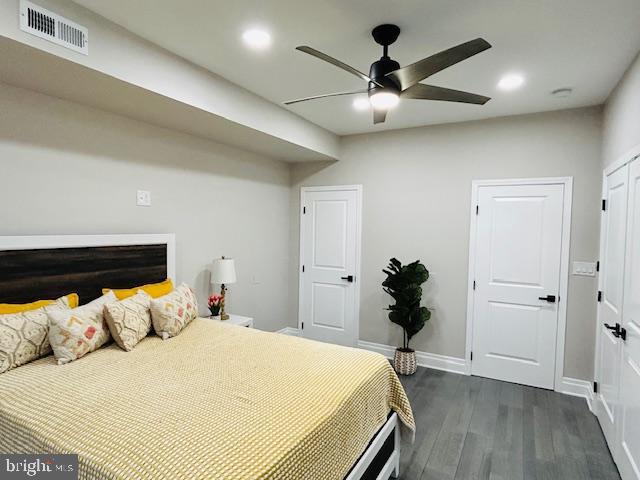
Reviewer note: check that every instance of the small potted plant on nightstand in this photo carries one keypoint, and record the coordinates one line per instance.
(404, 284)
(214, 304)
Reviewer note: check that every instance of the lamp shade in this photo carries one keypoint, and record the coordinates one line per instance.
(223, 270)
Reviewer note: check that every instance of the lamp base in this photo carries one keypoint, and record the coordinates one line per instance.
(223, 294)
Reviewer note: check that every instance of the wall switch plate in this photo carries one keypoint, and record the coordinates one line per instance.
(143, 198)
(587, 269)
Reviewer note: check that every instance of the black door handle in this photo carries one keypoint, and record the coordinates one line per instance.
(548, 298)
(617, 331)
(348, 278)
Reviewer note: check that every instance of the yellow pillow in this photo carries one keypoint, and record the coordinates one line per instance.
(154, 289)
(8, 308)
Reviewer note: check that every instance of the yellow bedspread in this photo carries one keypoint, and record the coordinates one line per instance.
(215, 402)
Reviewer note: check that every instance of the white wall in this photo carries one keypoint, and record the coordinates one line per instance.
(416, 203)
(68, 169)
(622, 116)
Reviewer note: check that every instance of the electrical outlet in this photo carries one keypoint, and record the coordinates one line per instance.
(143, 198)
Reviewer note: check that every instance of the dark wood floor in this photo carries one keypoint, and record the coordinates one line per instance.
(478, 428)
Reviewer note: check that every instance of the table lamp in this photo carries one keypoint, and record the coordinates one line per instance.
(223, 272)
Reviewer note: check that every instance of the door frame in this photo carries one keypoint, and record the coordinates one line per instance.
(356, 284)
(567, 183)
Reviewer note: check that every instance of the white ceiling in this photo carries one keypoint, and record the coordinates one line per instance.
(583, 44)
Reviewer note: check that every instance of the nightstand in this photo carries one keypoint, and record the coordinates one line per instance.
(237, 320)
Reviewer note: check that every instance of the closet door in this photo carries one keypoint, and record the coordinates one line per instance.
(629, 445)
(614, 226)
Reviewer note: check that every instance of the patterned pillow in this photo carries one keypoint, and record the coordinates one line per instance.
(171, 313)
(76, 332)
(24, 336)
(129, 320)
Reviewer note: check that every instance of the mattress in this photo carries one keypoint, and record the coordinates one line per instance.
(217, 402)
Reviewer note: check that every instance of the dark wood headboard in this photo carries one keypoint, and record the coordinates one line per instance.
(47, 273)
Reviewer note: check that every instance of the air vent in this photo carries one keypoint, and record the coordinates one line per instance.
(53, 27)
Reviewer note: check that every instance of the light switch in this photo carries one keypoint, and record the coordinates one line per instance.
(587, 269)
(143, 198)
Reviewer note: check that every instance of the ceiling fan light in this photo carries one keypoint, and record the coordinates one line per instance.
(384, 100)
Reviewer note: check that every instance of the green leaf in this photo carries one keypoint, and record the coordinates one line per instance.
(403, 284)
(418, 320)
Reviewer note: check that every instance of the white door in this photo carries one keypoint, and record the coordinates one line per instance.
(612, 248)
(330, 249)
(629, 455)
(518, 253)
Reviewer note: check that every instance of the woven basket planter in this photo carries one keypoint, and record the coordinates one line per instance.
(404, 361)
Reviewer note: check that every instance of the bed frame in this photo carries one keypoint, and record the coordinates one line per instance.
(36, 267)
(381, 459)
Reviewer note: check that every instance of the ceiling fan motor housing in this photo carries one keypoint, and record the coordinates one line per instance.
(378, 71)
(384, 35)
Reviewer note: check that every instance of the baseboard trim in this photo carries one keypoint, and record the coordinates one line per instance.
(577, 388)
(424, 359)
(294, 332)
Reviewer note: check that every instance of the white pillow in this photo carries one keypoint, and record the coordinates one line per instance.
(129, 320)
(174, 311)
(74, 333)
(24, 336)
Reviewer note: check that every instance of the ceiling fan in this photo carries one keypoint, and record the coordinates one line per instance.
(388, 82)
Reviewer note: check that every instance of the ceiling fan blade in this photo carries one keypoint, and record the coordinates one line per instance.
(379, 116)
(431, 92)
(355, 92)
(412, 74)
(337, 63)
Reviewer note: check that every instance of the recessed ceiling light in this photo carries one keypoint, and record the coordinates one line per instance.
(361, 103)
(511, 81)
(562, 92)
(257, 38)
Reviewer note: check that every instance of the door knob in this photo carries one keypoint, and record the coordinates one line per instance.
(548, 298)
(348, 278)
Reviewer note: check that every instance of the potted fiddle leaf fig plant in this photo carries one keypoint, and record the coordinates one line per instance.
(404, 284)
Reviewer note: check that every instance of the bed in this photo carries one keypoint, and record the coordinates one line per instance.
(217, 401)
